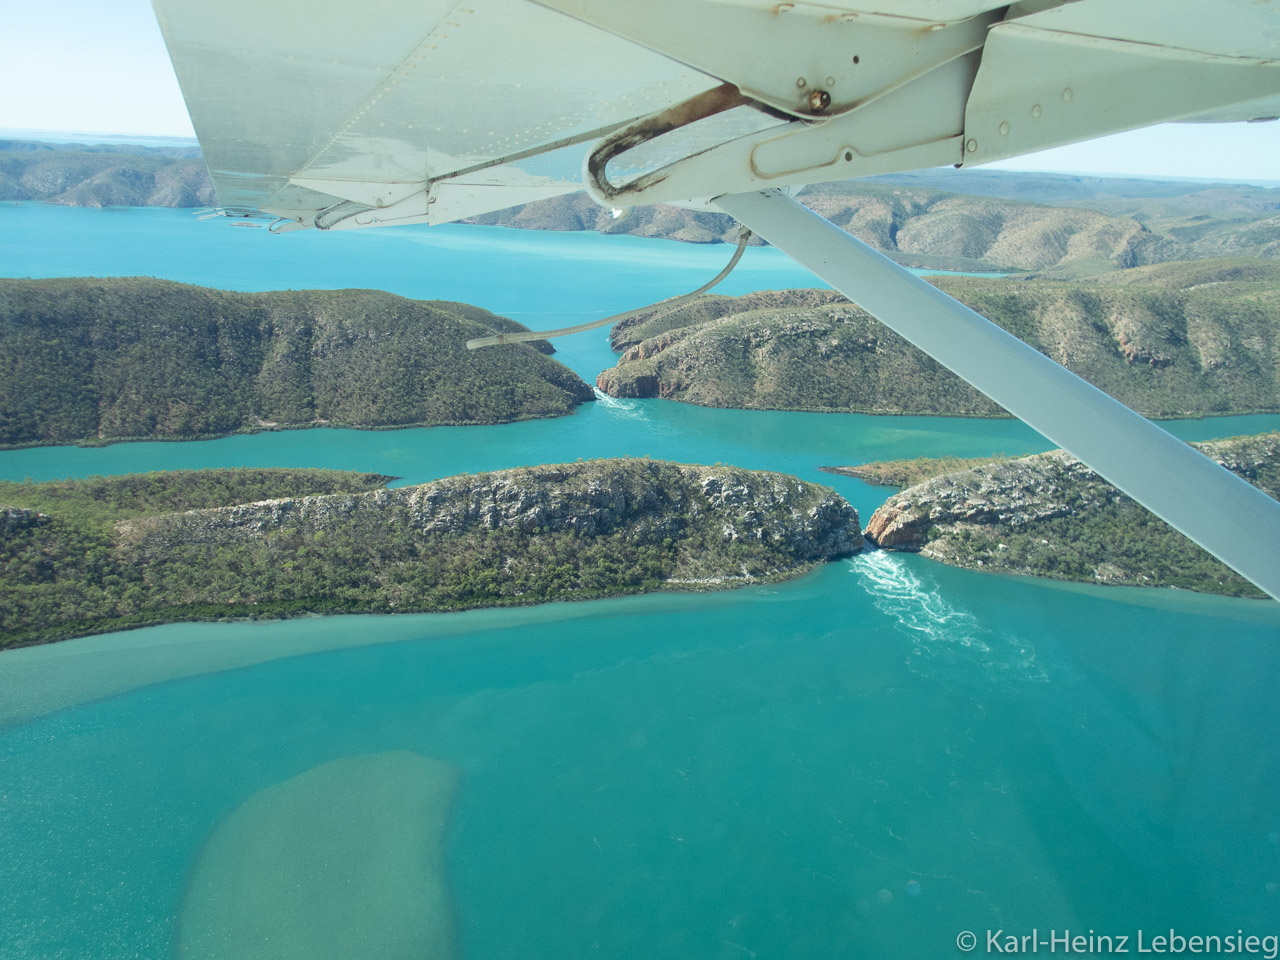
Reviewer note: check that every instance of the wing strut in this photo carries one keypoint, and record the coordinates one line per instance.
(1231, 519)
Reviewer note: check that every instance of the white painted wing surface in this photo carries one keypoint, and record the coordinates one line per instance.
(302, 106)
(333, 114)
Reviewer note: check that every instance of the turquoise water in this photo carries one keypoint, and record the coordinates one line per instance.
(545, 280)
(863, 762)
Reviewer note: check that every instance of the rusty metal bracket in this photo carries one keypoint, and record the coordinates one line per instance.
(706, 104)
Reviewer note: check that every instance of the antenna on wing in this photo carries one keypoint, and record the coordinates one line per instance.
(743, 236)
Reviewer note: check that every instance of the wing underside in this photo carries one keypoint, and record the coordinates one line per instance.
(339, 115)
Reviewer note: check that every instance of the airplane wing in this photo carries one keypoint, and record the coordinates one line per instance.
(335, 115)
(338, 115)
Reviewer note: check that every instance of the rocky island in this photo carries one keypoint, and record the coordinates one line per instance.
(97, 360)
(102, 554)
(1049, 515)
(1172, 340)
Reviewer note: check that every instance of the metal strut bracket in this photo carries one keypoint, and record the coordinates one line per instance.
(706, 104)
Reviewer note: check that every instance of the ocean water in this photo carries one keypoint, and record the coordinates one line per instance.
(865, 762)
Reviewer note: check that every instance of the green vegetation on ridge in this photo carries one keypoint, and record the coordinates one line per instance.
(100, 360)
(81, 557)
(1172, 340)
(1049, 515)
(907, 473)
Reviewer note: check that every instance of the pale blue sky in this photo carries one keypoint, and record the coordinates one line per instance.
(100, 66)
(97, 66)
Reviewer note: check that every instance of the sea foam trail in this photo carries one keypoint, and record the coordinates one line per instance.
(628, 409)
(943, 635)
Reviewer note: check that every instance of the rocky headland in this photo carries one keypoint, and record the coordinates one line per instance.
(1172, 340)
(1049, 515)
(110, 553)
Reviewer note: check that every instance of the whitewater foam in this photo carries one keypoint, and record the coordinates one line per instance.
(617, 407)
(943, 635)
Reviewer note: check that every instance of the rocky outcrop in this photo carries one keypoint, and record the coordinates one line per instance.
(1012, 493)
(644, 498)
(535, 534)
(1050, 515)
(646, 329)
(16, 519)
(1169, 341)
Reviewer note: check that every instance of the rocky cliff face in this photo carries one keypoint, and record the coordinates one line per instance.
(1050, 515)
(121, 552)
(1014, 494)
(1173, 340)
(642, 498)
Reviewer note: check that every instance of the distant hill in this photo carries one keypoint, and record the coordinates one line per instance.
(932, 229)
(577, 211)
(102, 175)
(984, 221)
(99, 360)
(1171, 340)
(1205, 219)
(918, 224)
(1067, 189)
(1049, 515)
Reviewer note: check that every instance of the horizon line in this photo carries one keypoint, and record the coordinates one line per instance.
(22, 133)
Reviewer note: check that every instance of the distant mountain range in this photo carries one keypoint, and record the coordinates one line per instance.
(1082, 226)
(104, 175)
(965, 220)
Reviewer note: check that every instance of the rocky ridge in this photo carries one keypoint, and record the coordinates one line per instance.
(944, 224)
(1049, 515)
(119, 175)
(979, 220)
(98, 360)
(1172, 340)
(529, 535)
(649, 498)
